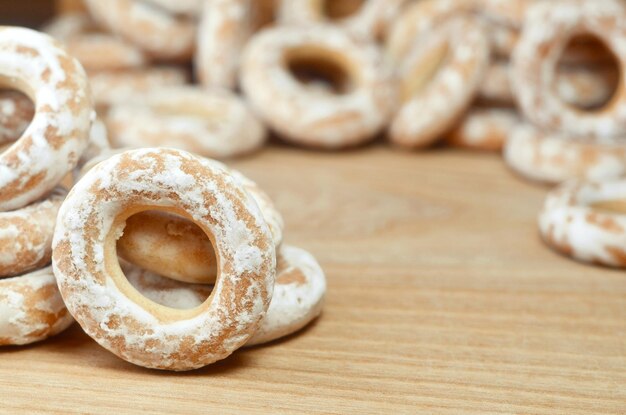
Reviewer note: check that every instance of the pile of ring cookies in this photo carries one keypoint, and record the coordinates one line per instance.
(579, 145)
(202, 267)
(202, 270)
(214, 76)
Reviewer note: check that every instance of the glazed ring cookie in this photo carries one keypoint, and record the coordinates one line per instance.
(213, 123)
(26, 235)
(552, 158)
(31, 308)
(103, 52)
(276, 69)
(224, 29)
(115, 314)
(51, 145)
(16, 114)
(109, 88)
(363, 19)
(484, 129)
(548, 28)
(174, 247)
(439, 81)
(157, 32)
(587, 221)
(298, 294)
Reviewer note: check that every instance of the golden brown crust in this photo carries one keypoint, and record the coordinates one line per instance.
(26, 235)
(51, 145)
(585, 220)
(548, 28)
(31, 308)
(306, 113)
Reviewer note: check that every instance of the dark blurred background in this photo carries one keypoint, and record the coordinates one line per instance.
(32, 12)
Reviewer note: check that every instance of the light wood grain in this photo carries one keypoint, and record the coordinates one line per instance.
(442, 300)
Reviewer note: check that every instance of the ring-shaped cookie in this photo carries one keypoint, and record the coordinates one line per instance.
(31, 308)
(104, 52)
(212, 123)
(551, 158)
(94, 49)
(159, 33)
(224, 29)
(363, 19)
(115, 314)
(439, 81)
(586, 220)
(298, 293)
(54, 140)
(173, 247)
(26, 235)
(315, 116)
(484, 129)
(547, 30)
(111, 87)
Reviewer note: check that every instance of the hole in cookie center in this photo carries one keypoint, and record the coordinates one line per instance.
(319, 72)
(169, 259)
(16, 113)
(341, 9)
(588, 74)
(617, 206)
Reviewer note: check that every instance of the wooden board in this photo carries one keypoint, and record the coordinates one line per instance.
(442, 300)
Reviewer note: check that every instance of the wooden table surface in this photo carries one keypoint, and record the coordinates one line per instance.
(442, 299)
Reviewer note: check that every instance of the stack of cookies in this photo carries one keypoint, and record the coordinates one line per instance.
(203, 269)
(338, 74)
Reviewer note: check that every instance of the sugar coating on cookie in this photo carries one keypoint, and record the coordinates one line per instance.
(574, 222)
(352, 110)
(552, 158)
(102, 300)
(31, 308)
(52, 143)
